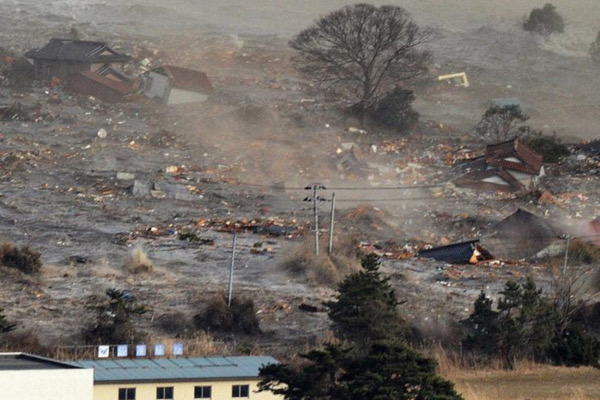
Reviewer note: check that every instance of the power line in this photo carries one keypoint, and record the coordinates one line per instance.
(349, 188)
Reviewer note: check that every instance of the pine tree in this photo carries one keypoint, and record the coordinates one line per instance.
(376, 363)
(482, 325)
(388, 369)
(114, 318)
(392, 370)
(522, 326)
(365, 308)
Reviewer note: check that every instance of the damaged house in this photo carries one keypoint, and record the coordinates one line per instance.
(176, 85)
(520, 235)
(103, 87)
(509, 166)
(63, 57)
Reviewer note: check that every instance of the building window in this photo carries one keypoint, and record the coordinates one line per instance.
(127, 394)
(240, 391)
(164, 393)
(202, 392)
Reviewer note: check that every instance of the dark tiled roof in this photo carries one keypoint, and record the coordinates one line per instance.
(532, 162)
(24, 361)
(186, 79)
(77, 50)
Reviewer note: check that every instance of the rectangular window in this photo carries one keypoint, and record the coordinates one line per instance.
(127, 394)
(240, 391)
(164, 393)
(202, 392)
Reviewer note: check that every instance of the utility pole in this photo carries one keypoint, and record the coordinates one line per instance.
(331, 223)
(231, 267)
(315, 187)
(564, 271)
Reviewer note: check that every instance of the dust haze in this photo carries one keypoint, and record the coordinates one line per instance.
(247, 153)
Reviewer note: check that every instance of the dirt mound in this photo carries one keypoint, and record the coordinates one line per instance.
(369, 223)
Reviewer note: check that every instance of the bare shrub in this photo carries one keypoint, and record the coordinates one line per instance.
(24, 259)
(300, 260)
(217, 316)
(176, 323)
(23, 340)
(137, 261)
(582, 252)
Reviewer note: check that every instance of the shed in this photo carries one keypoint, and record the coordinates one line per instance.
(177, 85)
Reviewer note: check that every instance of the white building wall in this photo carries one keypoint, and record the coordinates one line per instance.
(178, 96)
(158, 87)
(47, 384)
(525, 179)
(496, 179)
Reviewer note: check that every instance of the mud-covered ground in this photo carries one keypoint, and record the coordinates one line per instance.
(62, 192)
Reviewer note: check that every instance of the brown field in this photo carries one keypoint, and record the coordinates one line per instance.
(527, 381)
(539, 383)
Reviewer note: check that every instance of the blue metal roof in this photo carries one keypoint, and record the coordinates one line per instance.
(176, 369)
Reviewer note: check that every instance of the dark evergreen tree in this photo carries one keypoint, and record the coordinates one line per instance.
(482, 327)
(365, 308)
(316, 379)
(377, 366)
(522, 326)
(388, 370)
(395, 111)
(545, 21)
(114, 321)
(392, 370)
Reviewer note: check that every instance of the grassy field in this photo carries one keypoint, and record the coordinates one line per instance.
(537, 382)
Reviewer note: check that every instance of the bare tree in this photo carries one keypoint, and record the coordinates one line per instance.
(575, 283)
(362, 52)
(500, 123)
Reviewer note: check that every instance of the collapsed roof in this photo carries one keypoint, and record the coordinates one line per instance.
(469, 252)
(507, 167)
(520, 235)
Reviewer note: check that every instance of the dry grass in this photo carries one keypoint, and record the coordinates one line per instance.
(528, 380)
(137, 261)
(300, 260)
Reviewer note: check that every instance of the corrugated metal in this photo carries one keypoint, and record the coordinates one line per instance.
(176, 369)
(458, 253)
(24, 361)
